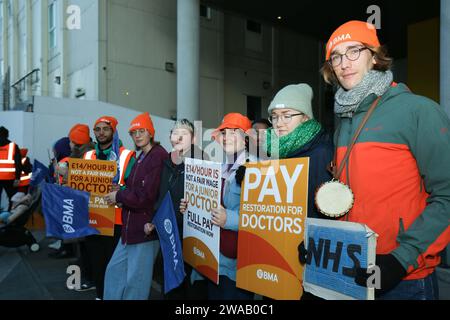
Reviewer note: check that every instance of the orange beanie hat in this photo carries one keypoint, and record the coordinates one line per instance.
(79, 134)
(143, 121)
(234, 121)
(108, 120)
(353, 31)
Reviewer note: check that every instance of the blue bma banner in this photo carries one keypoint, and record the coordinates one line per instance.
(335, 250)
(66, 212)
(166, 225)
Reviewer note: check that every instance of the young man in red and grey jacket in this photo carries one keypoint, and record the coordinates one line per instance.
(399, 168)
(101, 248)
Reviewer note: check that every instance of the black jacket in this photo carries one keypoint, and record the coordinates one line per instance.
(320, 151)
(172, 179)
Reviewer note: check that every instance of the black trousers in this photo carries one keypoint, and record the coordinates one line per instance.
(99, 251)
(15, 236)
(8, 185)
(187, 291)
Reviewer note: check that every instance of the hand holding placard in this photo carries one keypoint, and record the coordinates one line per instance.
(183, 206)
(219, 216)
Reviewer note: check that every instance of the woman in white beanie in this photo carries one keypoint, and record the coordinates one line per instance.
(296, 134)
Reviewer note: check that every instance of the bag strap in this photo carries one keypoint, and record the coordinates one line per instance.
(355, 137)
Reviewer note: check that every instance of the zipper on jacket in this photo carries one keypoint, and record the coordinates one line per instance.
(347, 170)
(126, 228)
(129, 211)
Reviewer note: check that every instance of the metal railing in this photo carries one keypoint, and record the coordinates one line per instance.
(24, 86)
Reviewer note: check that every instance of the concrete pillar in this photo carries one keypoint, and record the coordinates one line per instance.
(445, 73)
(188, 59)
(29, 49)
(445, 54)
(5, 55)
(63, 45)
(44, 49)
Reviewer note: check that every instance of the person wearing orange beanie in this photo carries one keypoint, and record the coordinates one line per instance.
(141, 122)
(80, 143)
(130, 271)
(399, 167)
(231, 136)
(79, 134)
(111, 121)
(99, 248)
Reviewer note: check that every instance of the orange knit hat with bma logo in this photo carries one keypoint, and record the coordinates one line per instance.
(108, 120)
(353, 31)
(143, 121)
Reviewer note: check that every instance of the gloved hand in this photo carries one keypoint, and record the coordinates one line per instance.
(302, 253)
(391, 273)
(240, 174)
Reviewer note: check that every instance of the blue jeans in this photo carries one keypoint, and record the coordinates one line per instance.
(422, 289)
(130, 272)
(227, 290)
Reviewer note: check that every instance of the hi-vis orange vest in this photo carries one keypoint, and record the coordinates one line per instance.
(25, 178)
(7, 166)
(124, 158)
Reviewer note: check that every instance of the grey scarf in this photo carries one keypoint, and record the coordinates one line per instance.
(346, 102)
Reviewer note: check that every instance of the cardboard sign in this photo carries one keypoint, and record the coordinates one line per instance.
(201, 238)
(274, 200)
(335, 250)
(95, 177)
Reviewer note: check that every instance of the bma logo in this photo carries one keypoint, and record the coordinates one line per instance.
(67, 217)
(168, 226)
(68, 228)
(199, 253)
(265, 275)
(340, 38)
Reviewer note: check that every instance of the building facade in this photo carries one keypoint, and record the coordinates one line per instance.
(125, 52)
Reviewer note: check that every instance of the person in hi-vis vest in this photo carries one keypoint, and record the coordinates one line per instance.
(10, 165)
(27, 168)
(101, 248)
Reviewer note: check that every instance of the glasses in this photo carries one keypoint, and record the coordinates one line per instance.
(285, 118)
(352, 54)
(104, 129)
(134, 133)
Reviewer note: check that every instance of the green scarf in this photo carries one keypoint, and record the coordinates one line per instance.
(292, 142)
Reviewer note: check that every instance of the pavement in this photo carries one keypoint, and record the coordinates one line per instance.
(25, 275)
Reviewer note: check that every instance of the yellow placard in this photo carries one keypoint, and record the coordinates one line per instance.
(273, 210)
(95, 176)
